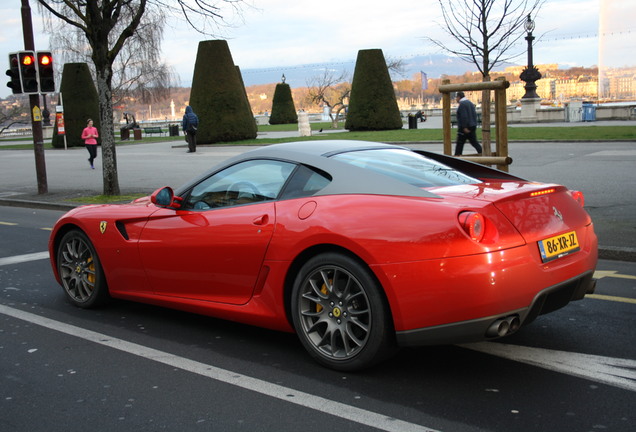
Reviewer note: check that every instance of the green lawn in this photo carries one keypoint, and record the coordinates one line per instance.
(564, 133)
(560, 133)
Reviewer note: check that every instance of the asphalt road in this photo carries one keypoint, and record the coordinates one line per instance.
(136, 367)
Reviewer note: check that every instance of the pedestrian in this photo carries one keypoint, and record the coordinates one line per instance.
(466, 124)
(190, 124)
(90, 135)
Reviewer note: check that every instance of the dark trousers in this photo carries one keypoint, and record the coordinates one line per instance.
(92, 152)
(471, 136)
(192, 141)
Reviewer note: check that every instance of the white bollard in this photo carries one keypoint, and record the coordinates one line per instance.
(303, 124)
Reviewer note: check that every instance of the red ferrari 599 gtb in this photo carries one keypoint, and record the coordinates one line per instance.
(357, 247)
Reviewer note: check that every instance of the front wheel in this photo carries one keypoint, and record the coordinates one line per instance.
(340, 313)
(81, 273)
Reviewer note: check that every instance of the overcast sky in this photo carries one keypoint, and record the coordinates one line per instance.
(280, 33)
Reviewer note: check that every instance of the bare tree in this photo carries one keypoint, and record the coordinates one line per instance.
(486, 32)
(138, 71)
(333, 89)
(330, 89)
(106, 26)
(13, 114)
(396, 67)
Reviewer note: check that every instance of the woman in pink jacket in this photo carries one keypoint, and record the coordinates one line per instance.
(89, 135)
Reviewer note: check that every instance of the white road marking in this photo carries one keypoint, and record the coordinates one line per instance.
(599, 274)
(611, 371)
(17, 259)
(307, 400)
(611, 298)
(616, 372)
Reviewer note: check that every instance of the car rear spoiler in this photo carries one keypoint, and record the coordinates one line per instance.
(469, 168)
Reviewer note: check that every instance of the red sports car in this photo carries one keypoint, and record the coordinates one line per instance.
(357, 247)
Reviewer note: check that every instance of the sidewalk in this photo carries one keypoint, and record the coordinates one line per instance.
(603, 171)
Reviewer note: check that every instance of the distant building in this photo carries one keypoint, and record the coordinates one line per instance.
(616, 46)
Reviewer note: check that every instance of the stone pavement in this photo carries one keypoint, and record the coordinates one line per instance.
(603, 171)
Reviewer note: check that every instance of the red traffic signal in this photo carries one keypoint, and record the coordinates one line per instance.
(45, 59)
(14, 73)
(46, 77)
(28, 72)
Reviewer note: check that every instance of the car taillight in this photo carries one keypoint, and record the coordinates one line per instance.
(578, 197)
(474, 224)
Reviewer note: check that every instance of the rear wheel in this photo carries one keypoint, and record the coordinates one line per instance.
(80, 271)
(340, 313)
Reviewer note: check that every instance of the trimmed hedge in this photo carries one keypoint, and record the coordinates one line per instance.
(372, 105)
(283, 109)
(218, 96)
(81, 102)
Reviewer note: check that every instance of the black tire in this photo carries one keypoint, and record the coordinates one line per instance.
(81, 273)
(340, 313)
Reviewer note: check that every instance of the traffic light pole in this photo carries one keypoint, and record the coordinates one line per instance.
(34, 104)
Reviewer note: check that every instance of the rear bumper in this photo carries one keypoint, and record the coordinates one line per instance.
(548, 300)
(460, 295)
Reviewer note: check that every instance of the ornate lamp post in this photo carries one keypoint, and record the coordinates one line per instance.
(530, 74)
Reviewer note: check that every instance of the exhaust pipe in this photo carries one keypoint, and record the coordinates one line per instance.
(514, 323)
(503, 326)
(498, 329)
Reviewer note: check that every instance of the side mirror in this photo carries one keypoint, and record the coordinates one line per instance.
(164, 197)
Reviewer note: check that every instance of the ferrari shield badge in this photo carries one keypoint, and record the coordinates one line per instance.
(102, 226)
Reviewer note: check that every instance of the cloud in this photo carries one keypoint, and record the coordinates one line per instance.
(283, 33)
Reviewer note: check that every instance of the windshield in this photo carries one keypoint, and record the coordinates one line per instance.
(406, 166)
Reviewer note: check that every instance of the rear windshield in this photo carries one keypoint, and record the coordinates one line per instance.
(406, 166)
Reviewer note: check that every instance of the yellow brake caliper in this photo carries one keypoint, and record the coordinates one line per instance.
(91, 267)
(323, 290)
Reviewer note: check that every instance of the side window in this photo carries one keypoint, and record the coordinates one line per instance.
(243, 183)
(305, 182)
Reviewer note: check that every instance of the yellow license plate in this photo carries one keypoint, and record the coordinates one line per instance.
(558, 246)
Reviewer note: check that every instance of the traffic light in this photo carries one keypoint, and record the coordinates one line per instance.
(45, 72)
(28, 72)
(14, 73)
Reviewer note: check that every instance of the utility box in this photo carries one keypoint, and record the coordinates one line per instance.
(574, 112)
(589, 112)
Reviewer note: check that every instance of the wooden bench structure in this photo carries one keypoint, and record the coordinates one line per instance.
(153, 130)
(500, 156)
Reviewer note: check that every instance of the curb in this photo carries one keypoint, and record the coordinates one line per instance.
(617, 253)
(37, 204)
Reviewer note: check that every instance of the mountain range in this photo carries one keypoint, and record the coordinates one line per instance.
(434, 65)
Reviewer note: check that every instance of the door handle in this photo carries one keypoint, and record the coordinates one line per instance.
(261, 220)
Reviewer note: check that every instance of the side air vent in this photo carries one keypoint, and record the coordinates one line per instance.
(122, 229)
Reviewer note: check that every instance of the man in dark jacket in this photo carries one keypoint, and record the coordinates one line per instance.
(466, 124)
(190, 124)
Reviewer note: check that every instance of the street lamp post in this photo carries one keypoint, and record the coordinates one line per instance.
(530, 102)
(530, 74)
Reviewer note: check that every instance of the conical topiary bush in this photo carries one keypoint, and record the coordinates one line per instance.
(80, 101)
(283, 109)
(218, 97)
(372, 104)
(238, 71)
